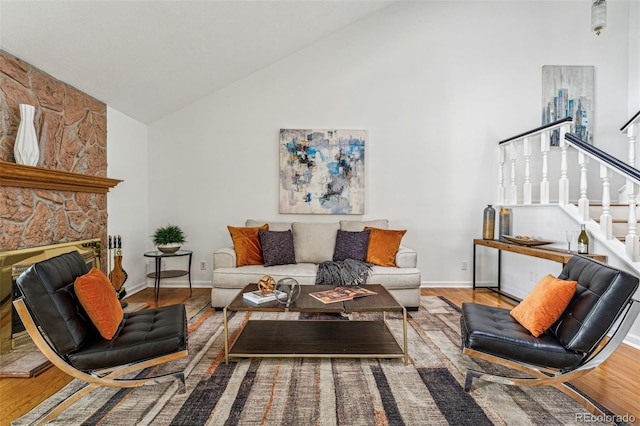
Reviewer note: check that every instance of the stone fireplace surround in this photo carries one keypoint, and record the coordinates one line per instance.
(62, 199)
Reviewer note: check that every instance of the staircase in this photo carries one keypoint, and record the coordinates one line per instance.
(554, 189)
(521, 168)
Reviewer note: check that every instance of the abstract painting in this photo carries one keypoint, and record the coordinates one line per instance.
(567, 91)
(322, 171)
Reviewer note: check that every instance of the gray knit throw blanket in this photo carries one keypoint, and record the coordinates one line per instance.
(343, 272)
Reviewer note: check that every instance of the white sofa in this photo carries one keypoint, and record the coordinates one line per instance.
(313, 243)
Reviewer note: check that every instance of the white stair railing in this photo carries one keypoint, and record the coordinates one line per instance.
(586, 153)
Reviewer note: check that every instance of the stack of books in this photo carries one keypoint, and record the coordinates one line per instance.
(258, 298)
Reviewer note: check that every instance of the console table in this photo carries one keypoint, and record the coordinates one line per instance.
(543, 252)
(159, 273)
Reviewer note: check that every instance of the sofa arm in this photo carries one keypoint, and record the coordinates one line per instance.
(224, 258)
(406, 258)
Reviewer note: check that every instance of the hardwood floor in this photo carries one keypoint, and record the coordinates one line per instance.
(613, 384)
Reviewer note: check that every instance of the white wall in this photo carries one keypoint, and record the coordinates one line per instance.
(634, 57)
(128, 203)
(437, 84)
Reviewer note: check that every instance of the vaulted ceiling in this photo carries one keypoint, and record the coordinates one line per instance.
(150, 58)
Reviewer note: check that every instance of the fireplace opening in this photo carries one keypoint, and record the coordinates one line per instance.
(15, 262)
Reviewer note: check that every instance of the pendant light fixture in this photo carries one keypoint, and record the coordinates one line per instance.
(598, 16)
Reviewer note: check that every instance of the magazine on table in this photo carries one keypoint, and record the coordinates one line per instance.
(340, 294)
(259, 298)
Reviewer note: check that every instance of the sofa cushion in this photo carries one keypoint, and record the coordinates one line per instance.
(273, 226)
(394, 278)
(351, 245)
(357, 225)
(247, 245)
(143, 335)
(383, 246)
(98, 298)
(314, 242)
(277, 247)
(544, 304)
(304, 273)
(494, 331)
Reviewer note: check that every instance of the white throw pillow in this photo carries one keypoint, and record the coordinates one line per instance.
(314, 242)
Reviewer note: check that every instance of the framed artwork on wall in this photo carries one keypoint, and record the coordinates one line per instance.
(567, 91)
(322, 171)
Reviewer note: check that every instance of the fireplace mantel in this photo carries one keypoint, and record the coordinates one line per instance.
(12, 174)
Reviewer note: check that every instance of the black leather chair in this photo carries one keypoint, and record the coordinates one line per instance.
(61, 329)
(573, 346)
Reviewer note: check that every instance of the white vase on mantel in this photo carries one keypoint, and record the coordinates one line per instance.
(26, 150)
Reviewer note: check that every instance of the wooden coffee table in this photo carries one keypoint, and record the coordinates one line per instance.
(318, 338)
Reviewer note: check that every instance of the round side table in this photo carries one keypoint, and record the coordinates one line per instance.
(159, 273)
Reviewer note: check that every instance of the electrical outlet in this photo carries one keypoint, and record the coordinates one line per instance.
(464, 265)
(203, 265)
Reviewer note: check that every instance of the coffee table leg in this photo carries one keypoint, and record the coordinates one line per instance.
(226, 336)
(406, 346)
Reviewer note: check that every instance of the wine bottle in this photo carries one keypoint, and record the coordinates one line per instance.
(583, 241)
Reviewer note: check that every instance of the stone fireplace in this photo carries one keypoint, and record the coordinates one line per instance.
(63, 199)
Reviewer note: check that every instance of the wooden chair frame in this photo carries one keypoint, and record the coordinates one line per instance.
(109, 377)
(555, 378)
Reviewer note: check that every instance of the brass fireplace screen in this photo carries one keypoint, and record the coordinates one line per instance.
(12, 264)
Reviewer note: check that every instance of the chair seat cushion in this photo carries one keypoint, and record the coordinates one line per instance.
(494, 331)
(142, 335)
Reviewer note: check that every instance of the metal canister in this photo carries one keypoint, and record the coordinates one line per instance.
(488, 222)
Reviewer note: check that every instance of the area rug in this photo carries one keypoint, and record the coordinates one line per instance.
(297, 391)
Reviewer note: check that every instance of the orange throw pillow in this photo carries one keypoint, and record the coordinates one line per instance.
(545, 304)
(246, 243)
(98, 298)
(383, 246)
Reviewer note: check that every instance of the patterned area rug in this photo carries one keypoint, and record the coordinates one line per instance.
(295, 391)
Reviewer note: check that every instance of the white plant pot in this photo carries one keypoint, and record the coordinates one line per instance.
(169, 248)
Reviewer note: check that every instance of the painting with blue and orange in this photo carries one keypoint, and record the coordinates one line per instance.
(322, 171)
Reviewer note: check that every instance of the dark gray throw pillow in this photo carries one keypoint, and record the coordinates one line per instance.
(351, 245)
(277, 247)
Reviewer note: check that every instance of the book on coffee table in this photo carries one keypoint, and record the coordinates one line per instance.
(259, 298)
(340, 294)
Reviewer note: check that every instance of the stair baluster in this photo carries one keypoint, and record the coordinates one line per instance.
(501, 188)
(631, 240)
(563, 184)
(606, 220)
(513, 189)
(583, 201)
(526, 196)
(544, 183)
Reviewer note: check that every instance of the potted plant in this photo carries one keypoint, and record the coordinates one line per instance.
(169, 238)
